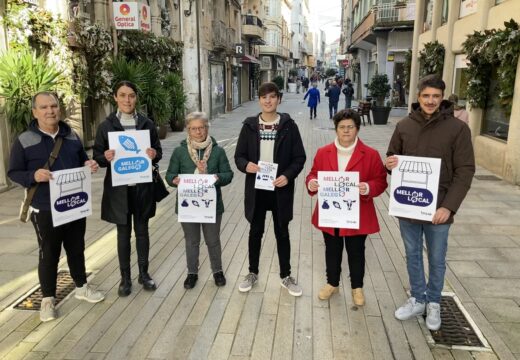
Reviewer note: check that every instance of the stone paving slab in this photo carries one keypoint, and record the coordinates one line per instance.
(220, 323)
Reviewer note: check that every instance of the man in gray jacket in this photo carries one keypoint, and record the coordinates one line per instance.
(431, 130)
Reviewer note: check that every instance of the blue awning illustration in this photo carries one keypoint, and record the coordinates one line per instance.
(71, 182)
(415, 172)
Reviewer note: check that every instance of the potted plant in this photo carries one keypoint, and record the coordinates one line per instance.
(379, 89)
(278, 80)
(173, 82)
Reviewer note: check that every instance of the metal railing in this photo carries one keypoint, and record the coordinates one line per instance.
(394, 11)
(252, 20)
(220, 34)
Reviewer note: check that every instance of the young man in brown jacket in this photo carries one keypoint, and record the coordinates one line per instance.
(431, 130)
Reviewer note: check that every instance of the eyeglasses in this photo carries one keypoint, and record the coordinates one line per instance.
(346, 127)
(200, 128)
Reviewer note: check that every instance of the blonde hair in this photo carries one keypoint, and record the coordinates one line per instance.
(197, 115)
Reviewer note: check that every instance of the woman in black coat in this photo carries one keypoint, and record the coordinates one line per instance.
(121, 204)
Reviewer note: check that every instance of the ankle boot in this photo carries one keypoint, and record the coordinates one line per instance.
(145, 279)
(125, 287)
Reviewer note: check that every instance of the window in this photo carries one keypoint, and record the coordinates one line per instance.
(495, 122)
(467, 7)
(428, 15)
(460, 79)
(499, 1)
(444, 16)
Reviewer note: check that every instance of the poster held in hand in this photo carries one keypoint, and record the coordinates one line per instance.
(266, 175)
(197, 199)
(414, 186)
(71, 196)
(130, 165)
(338, 199)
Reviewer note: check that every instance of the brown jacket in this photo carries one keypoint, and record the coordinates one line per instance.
(444, 137)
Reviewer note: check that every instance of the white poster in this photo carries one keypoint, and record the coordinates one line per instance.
(71, 197)
(266, 175)
(413, 187)
(130, 165)
(338, 199)
(197, 199)
(467, 7)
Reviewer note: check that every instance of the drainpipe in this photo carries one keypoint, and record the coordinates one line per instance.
(198, 53)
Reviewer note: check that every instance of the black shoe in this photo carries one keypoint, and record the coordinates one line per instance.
(125, 287)
(190, 281)
(220, 280)
(145, 279)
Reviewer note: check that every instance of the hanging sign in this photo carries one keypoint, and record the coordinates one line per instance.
(126, 15)
(145, 18)
(197, 198)
(413, 187)
(338, 199)
(70, 193)
(130, 165)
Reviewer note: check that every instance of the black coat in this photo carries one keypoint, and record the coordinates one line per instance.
(114, 205)
(289, 154)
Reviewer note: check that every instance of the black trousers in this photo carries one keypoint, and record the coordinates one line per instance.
(313, 109)
(266, 200)
(50, 238)
(355, 246)
(124, 232)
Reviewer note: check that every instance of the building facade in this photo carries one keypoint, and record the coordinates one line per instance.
(496, 135)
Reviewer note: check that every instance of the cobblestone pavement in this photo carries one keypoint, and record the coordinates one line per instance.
(221, 323)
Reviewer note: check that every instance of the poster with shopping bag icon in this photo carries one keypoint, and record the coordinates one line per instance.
(70, 193)
(130, 165)
(197, 199)
(338, 199)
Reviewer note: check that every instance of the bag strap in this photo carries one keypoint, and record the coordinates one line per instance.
(54, 155)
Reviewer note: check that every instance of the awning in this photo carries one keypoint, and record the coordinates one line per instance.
(250, 59)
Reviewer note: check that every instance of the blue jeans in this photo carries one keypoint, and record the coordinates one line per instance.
(436, 244)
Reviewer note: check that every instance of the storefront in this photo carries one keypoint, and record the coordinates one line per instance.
(217, 88)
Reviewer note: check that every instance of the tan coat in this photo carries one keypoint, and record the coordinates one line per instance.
(442, 136)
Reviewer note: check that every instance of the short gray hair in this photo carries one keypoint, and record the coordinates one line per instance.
(197, 115)
(46, 93)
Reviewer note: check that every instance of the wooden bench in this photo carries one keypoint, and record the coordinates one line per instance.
(363, 110)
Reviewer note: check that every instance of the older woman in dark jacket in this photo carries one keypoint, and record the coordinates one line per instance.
(121, 204)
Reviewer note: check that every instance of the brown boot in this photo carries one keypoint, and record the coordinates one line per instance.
(326, 291)
(358, 297)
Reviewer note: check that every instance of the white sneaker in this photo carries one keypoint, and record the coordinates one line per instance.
(47, 309)
(433, 317)
(292, 287)
(86, 293)
(410, 309)
(248, 283)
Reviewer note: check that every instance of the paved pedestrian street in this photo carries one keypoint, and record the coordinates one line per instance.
(267, 323)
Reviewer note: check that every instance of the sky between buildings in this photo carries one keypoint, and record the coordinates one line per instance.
(326, 15)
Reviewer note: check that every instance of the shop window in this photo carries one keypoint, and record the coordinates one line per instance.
(496, 121)
(461, 79)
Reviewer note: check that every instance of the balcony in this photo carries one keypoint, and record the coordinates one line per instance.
(395, 15)
(252, 27)
(220, 35)
(274, 50)
(231, 38)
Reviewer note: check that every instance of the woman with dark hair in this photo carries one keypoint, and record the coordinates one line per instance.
(135, 202)
(348, 153)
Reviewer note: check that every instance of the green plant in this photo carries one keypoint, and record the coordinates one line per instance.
(178, 98)
(293, 72)
(22, 75)
(278, 80)
(431, 58)
(488, 50)
(331, 72)
(407, 68)
(379, 88)
(153, 97)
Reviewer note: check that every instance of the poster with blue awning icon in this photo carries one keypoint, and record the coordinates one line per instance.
(413, 187)
(197, 198)
(130, 165)
(70, 193)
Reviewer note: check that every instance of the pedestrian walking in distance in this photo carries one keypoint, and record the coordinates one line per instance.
(348, 153)
(348, 91)
(199, 153)
(127, 204)
(314, 99)
(29, 166)
(431, 130)
(272, 137)
(333, 94)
